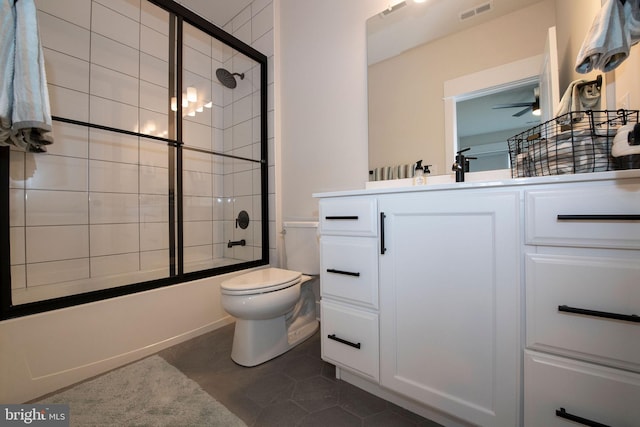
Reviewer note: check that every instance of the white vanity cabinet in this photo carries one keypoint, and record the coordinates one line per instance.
(582, 280)
(450, 302)
(349, 284)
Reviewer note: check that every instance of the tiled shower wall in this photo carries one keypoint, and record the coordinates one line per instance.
(95, 206)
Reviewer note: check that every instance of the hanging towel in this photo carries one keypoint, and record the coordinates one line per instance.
(25, 116)
(577, 99)
(607, 43)
(632, 20)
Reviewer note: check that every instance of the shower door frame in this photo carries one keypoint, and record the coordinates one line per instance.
(178, 14)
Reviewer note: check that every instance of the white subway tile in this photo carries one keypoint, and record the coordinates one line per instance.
(154, 208)
(63, 36)
(195, 161)
(154, 97)
(197, 254)
(115, 26)
(113, 114)
(154, 123)
(114, 239)
(111, 265)
(47, 273)
(240, 24)
(155, 17)
(56, 207)
(111, 177)
(114, 85)
(262, 22)
(197, 233)
(154, 180)
(197, 39)
(66, 71)
(264, 43)
(130, 8)
(154, 70)
(196, 62)
(197, 183)
(75, 11)
(154, 43)
(68, 103)
(156, 261)
(154, 236)
(18, 277)
(69, 140)
(16, 169)
(198, 208)
(153, 153)
(196, 135)
(242, 110)
(55, 243)
(18, 245)
(217, 232)
(218, 140)
(112, 146)
(243, 136)
(115, 56)
(48, 172)
(109, 208)
(16, 207)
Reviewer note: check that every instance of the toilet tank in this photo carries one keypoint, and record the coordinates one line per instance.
(301, 246)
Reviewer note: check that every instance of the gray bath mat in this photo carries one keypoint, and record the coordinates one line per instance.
(150, 392)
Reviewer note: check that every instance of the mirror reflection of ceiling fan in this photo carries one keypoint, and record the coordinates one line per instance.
(533, 106)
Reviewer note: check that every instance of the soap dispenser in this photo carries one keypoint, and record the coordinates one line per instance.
(418, 176)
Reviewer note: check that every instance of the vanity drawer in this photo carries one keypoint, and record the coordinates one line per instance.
(594, 216)
(610, 286)
(350, 216)
(350, 269)
(597, 393)
(350, 338)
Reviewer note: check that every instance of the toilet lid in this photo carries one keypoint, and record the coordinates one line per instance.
(260, 281)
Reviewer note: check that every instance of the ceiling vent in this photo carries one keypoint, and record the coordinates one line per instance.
(477, 10)
(392, 9)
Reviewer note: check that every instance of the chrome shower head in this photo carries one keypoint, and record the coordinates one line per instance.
(227, 78)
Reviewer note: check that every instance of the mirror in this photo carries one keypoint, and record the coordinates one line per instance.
(415, 50)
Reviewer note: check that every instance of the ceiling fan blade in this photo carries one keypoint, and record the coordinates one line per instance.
(514, 105)
(521, 112)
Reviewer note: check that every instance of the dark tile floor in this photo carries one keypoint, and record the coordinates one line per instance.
(294, 389)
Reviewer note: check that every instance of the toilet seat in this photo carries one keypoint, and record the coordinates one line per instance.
(260, 281)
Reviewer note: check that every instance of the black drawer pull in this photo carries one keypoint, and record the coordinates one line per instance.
(383, 249)
(346, 273)
(343, 217)
(340, 340)
(621, 217)
(567, 416)
(626, 317)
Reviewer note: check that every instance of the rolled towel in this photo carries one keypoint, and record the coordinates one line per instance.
(576, 99)
(607, 42)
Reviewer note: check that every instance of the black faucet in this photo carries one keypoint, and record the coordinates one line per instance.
(237, 243)
(462, 164)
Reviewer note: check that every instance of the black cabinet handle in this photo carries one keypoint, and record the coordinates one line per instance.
(382, 248)
(340, 340)
(626, 317)
(567, 416)
(343, 217)
(346, 273)
(621, 217)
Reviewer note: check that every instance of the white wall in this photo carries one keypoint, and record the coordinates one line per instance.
(321, 103)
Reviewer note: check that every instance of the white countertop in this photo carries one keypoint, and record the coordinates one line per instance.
(436, 183)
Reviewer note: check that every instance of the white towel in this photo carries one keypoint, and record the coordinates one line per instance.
(577, 99)
(607, 43)
(25, 116)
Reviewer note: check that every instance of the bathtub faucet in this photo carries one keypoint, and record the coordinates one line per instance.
(237, 243)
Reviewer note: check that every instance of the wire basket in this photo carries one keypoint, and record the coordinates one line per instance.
(576, 142)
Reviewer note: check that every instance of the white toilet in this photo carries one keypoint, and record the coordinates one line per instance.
(275, 309)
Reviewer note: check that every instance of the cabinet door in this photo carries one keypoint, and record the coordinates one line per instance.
(450, 303)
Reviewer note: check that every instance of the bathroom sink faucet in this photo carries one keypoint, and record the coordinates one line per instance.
(462, 164)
